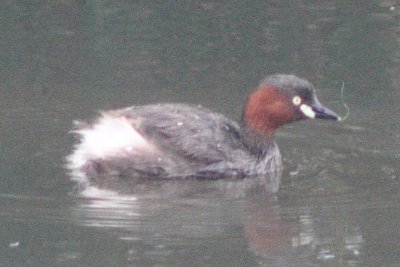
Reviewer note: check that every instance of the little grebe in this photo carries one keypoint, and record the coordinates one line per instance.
(171, 141)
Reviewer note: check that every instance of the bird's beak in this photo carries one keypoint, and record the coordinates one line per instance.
(318, 111)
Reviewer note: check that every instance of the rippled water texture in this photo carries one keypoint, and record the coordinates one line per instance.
(338, 197)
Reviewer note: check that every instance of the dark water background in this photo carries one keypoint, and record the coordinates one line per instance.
(338, 202)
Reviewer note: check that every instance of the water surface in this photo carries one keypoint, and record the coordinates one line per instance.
(338, 197)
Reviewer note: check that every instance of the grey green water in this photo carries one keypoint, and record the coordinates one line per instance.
(338, 200)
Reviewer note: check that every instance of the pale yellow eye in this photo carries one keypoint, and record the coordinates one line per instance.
(296, 100)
